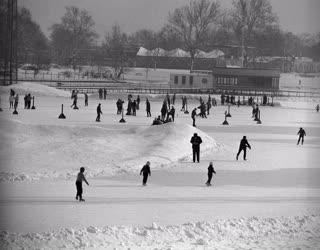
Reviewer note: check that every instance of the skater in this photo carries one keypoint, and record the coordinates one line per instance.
(148, 108)
(193, 116)
(210, 172)
(164, 110)
(196, 141)
(301, 134)
(29, 101)
(134, 108)
(75, 100)
(104, 94)
(16, 101)
(11, 100)
(138, 102)
(146, 172)
(85, 99)
(317, 108)
(173, 98)
(25, 101)
(209, 105)
(243, 146)
(79, 180)
(171, 114)
(99, 112)
(119, 104)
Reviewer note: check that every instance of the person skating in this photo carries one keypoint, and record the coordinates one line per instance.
(301, 134)
(193, 116)
(85, 99)
(134, 108)
(171, 113)
(210, 172)
(80, 179)
(11, 101)
(99, 112)
(196, 141)
(173, 98)
(145, 171)
(16, 101)
(148, 108)
(164, 110)
(243, 146)
(104, 94)
(75, 100)
(317, 108)
(138, 102)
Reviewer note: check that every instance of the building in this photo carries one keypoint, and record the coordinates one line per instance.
(228, 79)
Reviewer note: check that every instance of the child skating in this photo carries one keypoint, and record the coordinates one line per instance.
(80, 179)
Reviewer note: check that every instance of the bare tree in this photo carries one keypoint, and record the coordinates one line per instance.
(248, 16)
(192, 22)
(73, 34)
(115, 47)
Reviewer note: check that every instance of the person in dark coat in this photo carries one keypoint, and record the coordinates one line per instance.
(171, 113)
(104, 94)
(173, 98)
(164, 110)
(301, 134)
(25, 101)
(99, 112)
(196, 141)
(148, 108)
(210, 172)
(134, 108)
(243, 146)
(80, 179)
(146, 172)
(193, 116)
(85, 99)
(317, 108)
(138, 102)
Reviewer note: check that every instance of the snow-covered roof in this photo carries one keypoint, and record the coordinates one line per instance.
(179, 53)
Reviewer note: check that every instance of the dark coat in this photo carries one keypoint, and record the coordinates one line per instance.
(145, 170)
(244, 143)
(211, 170)
(302, 133)
(196, 141)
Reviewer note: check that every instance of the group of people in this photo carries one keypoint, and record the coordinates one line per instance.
(102, 94)
(27, 101)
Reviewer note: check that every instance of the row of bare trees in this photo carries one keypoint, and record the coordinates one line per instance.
(199, 25)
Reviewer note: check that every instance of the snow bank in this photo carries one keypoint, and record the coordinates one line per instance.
(300, 232)
(53, 151)
(35, 89)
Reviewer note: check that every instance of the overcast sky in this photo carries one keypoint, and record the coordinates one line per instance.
(297, 16)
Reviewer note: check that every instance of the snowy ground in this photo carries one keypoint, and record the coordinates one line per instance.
(270, 201)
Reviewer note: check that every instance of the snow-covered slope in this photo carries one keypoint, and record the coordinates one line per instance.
(35, 89)
(58, 151)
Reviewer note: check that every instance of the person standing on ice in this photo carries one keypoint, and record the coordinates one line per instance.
(243, 146)
(11, 100)
(80, 179)
(148, 108)
(138, 102)
(146, 172)
(210, 172)
(196, 141)
(301, 134)
(16, 101)
(317, 108)
(193, 116)
(85, 99)
(99, 112)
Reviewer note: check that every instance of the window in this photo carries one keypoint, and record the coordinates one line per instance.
(204, 80)
(176, 79)
(235, 81)
(191, 80)
(225, 81)
(183, 79)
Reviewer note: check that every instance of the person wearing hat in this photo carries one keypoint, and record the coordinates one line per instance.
(80, 179)
(146, 172)
(210, 172)
(196, 141)
(243, 146)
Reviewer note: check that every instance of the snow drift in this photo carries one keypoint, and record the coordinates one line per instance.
(55, 151)
(241, 233)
